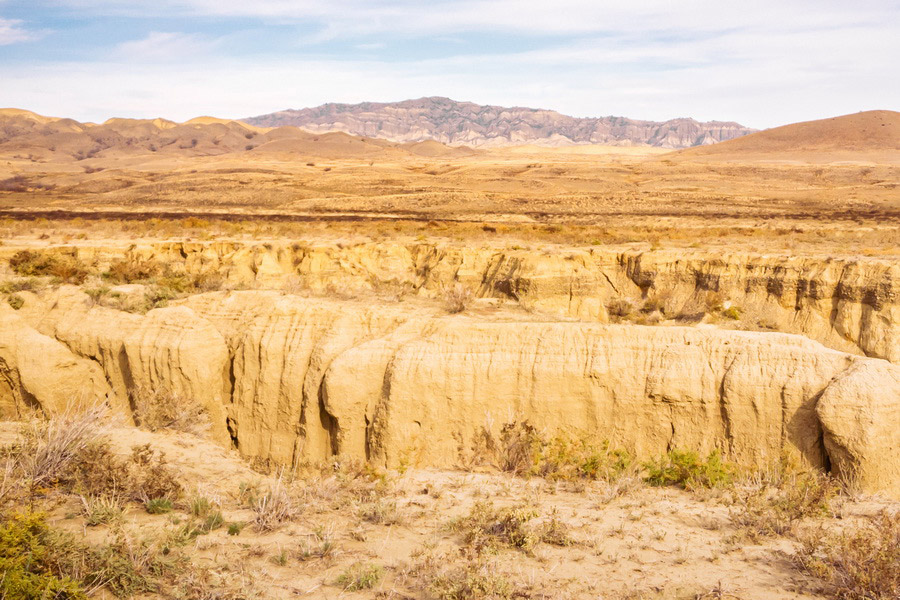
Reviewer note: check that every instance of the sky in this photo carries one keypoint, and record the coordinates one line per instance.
(762, 63)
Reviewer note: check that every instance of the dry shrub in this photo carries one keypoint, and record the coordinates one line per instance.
(162, 409)
(861, 563)
(456, 298)
(143, 476)
(51, 447)
(34, 263)
(273, 507)
(620, 308)
(523, 450)
(765, 510)
(132, 270)
(487, 528)
(445, 579)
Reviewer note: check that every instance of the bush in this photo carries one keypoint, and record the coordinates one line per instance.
(359, 576)
(860, 564)
(488, 528)
(620, 308)
(457, 298)
(161, 409)
(64, 267)
(27, 563)
(143, 476)
(764, 511)
(687, 470)
(522, 450)
(130, 271)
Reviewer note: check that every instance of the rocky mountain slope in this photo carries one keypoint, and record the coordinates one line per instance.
(465, 123)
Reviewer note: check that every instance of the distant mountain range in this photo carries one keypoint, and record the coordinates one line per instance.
(467, 124)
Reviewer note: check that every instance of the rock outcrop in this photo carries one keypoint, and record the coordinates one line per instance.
(293, 379)
(464, 123)
(848, 305)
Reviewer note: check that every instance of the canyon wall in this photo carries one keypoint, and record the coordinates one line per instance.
(287, 379)
(848, 305)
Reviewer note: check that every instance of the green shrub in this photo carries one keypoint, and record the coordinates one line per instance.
(687, 470)
(158, 506)
(27, 562)
(359, 576)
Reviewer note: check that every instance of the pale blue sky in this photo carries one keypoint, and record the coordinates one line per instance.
(761, 63)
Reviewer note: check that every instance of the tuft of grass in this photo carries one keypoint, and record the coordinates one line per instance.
(359, 576)
(273, 507)
(862, 563)
(101, 510)
(158, 506)
(50, 448)
(687, 470)
(236, 528)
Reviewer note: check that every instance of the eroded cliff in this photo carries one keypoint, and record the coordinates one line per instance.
(289, 379)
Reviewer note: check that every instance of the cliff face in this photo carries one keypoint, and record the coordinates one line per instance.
(848, 305)
(287, 379)
(468, 124)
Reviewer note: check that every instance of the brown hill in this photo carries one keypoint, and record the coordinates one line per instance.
(864, 133)
(26, 135)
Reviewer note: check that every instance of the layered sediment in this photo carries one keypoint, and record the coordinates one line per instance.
(288, 379)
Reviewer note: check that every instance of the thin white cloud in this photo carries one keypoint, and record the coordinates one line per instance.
(11, 32)
(539, 17)
(166, 46)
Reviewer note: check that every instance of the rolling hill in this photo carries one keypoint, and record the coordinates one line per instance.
(848, 136)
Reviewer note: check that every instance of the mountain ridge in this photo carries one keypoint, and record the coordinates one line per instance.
(458, 123)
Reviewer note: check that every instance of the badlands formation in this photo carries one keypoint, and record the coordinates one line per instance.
(382, 337)
(288, 379)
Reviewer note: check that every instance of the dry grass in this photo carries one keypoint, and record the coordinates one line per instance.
(456, 298)
(159, 408)
(860, 563)
(51, 447)
(274, 507)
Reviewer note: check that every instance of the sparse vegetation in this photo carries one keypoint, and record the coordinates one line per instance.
(67, 268)
(686, 469)
(160, 408)
(862, 562)
(762, 510)
(456, 298)
(359, 576)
